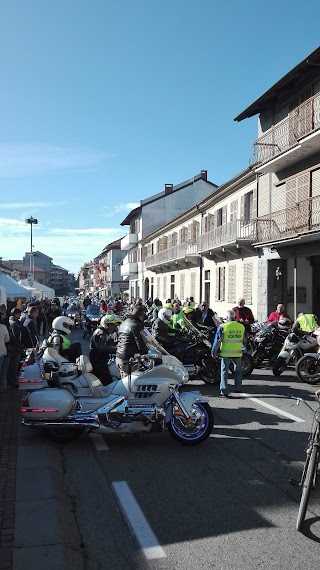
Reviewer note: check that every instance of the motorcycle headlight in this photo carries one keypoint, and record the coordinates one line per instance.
(180, 371)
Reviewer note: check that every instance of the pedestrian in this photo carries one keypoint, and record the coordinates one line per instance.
(29, 331)
(229, 340)
(205, 315)
(279, 313)
(16, 348)
(4, 339)
(130, 340)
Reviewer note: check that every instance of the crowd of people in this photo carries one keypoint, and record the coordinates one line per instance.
(23, 324)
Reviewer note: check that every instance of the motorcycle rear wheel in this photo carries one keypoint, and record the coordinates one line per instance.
(209, 371)
(308, 370)
(62, 435)
(279, 366)
(199, 432)
(247, 364)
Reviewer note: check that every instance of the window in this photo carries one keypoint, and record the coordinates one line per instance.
(152, 288)
(231, 284)
(247, 283)
(172, 287)
(233, 211)
(219, 217)
(207, 287)
(248, 207)
(220, 283)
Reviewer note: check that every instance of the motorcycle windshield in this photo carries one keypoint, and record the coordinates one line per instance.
(199, 333)
(93, 310)
(151, 342)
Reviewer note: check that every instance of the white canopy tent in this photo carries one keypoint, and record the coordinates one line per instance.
(12, 288)
(39, 287)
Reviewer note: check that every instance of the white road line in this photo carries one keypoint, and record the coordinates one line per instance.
(138, 522)
(273, 408)
(98, 442)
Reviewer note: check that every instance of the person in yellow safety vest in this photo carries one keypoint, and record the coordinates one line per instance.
(62, 326)
(305, 323)
(177, 319)
(229, 339)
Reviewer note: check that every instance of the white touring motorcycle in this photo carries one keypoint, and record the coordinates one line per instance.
(147, 400)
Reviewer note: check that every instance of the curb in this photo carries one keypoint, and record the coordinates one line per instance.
(46, 533)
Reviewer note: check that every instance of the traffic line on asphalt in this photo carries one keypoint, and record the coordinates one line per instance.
(98, 442)
(137, 521)
(273, 408)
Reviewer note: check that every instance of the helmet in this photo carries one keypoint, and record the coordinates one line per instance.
(111, 319)
(187, 309)
(284, 321)
(168, 305)
(165, 315)
(62, 324)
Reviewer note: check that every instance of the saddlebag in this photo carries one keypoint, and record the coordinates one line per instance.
(48, 403)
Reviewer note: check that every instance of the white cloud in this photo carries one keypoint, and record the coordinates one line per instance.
(17, 160)
(17, 205)
(126, 207)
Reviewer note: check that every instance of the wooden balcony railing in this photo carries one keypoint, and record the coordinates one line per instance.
(174, 253)
(302, 121)
(302, 218)
(227, 234)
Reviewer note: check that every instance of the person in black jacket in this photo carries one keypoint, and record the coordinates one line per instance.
(130, 341)
(206, 316)
(29, 331)
(160, 328)
(16, 348)
(103, 344)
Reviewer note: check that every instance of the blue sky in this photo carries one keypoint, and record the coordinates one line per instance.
(104, 101)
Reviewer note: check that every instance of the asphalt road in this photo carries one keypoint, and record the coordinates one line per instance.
(147, 502)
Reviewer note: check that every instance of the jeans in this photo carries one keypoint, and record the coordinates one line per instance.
(225, 363)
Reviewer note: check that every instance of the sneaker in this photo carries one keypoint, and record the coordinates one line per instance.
(224, 395)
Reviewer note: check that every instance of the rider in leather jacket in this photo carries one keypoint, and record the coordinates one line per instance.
(103, 344)
(130, 341)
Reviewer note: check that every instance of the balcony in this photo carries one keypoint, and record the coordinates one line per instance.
(129, 241)
(302, 219)
(235, 233)
(293, 139)
(129, 269)
(175, 256)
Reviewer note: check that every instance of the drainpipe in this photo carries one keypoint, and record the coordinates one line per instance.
(201, 260)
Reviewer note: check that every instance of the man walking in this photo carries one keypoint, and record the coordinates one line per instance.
(229, 339)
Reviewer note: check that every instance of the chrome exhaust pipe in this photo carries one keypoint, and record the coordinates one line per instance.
(71, 425)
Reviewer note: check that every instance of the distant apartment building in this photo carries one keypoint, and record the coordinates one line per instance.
(151, 214)
(102, 277)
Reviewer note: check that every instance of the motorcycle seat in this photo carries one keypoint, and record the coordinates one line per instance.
(89, 385)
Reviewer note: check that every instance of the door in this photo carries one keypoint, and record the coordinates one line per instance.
(315, 261)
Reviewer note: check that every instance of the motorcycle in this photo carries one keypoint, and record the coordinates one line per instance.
(294, 347)
(308, 367)
(145, 401)
(268, 343)
(74, 313)
(92, 316)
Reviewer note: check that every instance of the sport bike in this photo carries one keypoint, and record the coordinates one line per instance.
(294, 347)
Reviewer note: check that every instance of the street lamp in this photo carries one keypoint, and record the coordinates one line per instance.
(31, 221)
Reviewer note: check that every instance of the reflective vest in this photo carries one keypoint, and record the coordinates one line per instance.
(232, 340)
(178, 318)
(307, 322)
(65, 341)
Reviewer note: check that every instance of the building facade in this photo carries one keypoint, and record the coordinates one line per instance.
(151, 214)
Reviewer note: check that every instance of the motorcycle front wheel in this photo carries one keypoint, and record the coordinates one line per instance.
(279, 366)
(209, 370)
(308, 370)
(198, 431)
(62, 435)
(247, 364)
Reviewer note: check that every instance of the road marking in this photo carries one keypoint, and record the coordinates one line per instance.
(273, 408)
(138, 522)
(256, 482)
(98, 442)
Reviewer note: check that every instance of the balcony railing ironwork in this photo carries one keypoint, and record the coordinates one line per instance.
(302, 218)
(179, 251)
(227, 234)
(302, 121)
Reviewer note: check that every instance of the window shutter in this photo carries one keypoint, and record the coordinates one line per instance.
(242, 206)
(216, 295)
(174, 238)
(247, 283)
(232, 284)
(204, 224)
(158, 288)
(223, 283)
(169, 241)
(255, 204)
(149, 249)
(189, 233)
(144, 252)
(193, 285)
(164, 243)
(224, 215)
(164, 286)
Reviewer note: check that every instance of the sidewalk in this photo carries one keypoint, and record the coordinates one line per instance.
(9, 424)
(38, 527)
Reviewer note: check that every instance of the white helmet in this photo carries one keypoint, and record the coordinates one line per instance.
(165, 315)
(62, 324)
